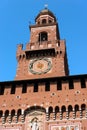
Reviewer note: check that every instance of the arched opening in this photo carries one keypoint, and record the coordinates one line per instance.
(50, 21)
(83, 109)
(19, 57)
(51, 112)
(34, 109)
(13, 116)
(43, 21)
(35, 116)
(77, 112)
(63, 112)
(38, 22)
(57, 112)
(1, 113)
(23, 56)
(70, 110)
(6, 116)
(43, 36)
(19, 115)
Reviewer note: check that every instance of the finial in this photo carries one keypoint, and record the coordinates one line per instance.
(46, 6)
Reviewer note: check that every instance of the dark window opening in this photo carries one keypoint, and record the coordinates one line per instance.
(13, 88)
(1, 113)
(50, 21)
(44, 21)
(2, 90)
(57, 52)
(47, 86)
(60, 52)
(76, 108)
(70, 108)
(71, 86)
(38, 22)
(63, 109)
(12, 114)
(83, 85)
(43, 36)
(19, 112)
(50, 110)
(23, 56)
(56, 109)
(36, 87)
(6, 115)
(59, 86)
(24, 88)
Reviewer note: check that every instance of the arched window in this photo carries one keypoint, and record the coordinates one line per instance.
(77, 112)
(38, 22)
(43, 21)
(70, 111)
(13, 119)
(19, 115)
(43, 36)
(50, 21)
(63, 112)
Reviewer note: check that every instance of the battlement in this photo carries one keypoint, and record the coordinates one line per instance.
(70, 83)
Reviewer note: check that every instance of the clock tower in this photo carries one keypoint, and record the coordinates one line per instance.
(45, 55)
(43, 96)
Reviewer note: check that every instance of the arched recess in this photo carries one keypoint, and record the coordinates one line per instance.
(7, 116)
(44, 21)
(83, 109)
(34, 108)
(70, 111)
(63, 112)
(19, 115)
(77, 112)
(13, 116)
(38, 22)
(51, 112)
(35, 115)
(57, 112)
(1, 113)
(23, 56)
(50, 21)
(43, 36)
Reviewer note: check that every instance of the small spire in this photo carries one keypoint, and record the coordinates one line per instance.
(46, 6)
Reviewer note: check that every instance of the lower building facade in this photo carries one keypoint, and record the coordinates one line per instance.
(58, 103)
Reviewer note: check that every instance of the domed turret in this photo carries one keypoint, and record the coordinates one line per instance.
(45, 17)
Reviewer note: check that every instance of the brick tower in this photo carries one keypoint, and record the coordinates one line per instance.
(43, 96)
(45, 54)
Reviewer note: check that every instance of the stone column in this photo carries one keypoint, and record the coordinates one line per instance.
(60, 115)
(67, 114)
(22, 116)
(54, 115)
(73, 113)
(47, 114)
(3, 118)
(80, 113)
(9, 120)
(16, 118)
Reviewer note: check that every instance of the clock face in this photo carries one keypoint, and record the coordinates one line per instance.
(40, 66)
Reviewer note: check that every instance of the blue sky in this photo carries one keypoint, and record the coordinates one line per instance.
(15, 16)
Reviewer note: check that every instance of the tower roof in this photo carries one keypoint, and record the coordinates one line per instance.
(45, 12)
